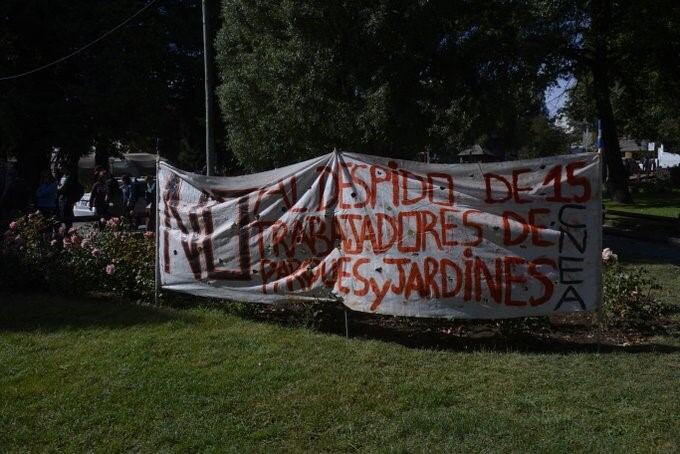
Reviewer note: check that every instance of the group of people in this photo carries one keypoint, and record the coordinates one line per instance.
(649, 164)
(106, 198)
(109, 198)
(638, 166)
(58, 193)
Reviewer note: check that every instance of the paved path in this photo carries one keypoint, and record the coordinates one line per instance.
(632, 250)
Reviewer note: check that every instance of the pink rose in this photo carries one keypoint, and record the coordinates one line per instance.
(110, 268)
(608, 256)
(148, 234)
(113, 223)
(96, 252)
(13, 225)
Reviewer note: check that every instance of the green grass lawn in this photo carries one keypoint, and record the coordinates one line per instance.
(659, 204)
(96, 374)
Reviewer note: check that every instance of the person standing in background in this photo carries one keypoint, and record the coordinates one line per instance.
(129, 193)
(4, 187)
(46, 195)
(69, 191)
(150, 197)
(113, 194)
(99, 200)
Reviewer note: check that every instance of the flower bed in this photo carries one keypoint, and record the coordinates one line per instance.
(36, 257)
(113, 259)
(627, 293)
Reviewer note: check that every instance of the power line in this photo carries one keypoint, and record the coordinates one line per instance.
(556, 99)
(79, 50)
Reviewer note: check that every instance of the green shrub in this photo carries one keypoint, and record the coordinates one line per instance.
(628, 295)
(34, 257)
(674, 176)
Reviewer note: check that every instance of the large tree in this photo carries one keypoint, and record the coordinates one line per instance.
(385, 77)
(624, 55)
(140, 86)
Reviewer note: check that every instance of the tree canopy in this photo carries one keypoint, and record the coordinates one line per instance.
(386, 77)
(298, 79)
(625, 57)
(138, 87)
(644, 65)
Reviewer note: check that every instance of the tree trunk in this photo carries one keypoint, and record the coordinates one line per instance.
(617, 181)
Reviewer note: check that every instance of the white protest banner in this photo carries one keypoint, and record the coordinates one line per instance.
(487, 240)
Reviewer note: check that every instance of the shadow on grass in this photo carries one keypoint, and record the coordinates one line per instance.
(520, 342)
(483, 336)
(36, 312)
(638, 252)
(640, 260)
(530, 335)
(647, 229)
(650, 200)
(642, 203)
(41, 312)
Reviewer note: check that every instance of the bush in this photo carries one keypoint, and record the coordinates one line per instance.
(19, 249)
(675, 176)
(628, 293)
(35, 257)
(655, 186)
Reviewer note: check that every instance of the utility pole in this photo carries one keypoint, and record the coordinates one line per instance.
(209, 90)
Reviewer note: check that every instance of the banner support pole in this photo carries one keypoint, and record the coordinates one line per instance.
(599, 320)
(346, 323)
(156, 286)
(599, 314)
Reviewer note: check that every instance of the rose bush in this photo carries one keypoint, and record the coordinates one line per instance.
(628, 293)
(33, 256)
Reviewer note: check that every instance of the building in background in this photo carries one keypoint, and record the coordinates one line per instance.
(667, 159)
(478, 153)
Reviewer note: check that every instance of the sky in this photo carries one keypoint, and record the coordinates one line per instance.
(556, 96)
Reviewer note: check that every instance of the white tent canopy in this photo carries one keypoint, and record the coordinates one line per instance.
(133, 164)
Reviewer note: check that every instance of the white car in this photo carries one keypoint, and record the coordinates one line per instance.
(82, 207)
